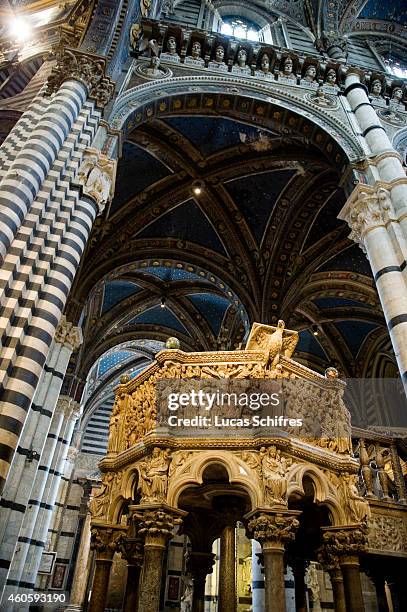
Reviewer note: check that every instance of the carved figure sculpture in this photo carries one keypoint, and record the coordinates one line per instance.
(273, 473)
(154, 476)
(219, 54)
(376, 89)
(265, 63)
(287, 70)
(242, 58)
(196, 49)
(172, 45)
(310, 73)
(274, 341)
(330, 77)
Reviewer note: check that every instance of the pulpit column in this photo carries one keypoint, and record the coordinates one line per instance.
(299, 566)
(155, 525)
(199, 565)
(132, 550)
(104, 540)
(347, 543)
(330, 564)
(227, 570)
(273, 530)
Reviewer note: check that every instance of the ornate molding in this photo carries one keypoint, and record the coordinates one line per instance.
(84, 67)
(105, 540)
(156, 525)
(368, 208)
(68, 335)
(96, 176)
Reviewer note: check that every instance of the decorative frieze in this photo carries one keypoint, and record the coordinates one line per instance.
(388, 533)
(86, 68)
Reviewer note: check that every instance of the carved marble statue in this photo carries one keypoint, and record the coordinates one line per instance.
(376, 89)
(219, 54)
(330, 77)
(287, 69)
(265, 63)
(242, 58)
(358, 508)
(273, 468)
(196, 50)
(312, 582)
(114, 429)
(187, 596)
(275, 341)
(172, 45)
(153, 68)
(154, 476)
(397, 96)
(310, 73)
(96, 176)
(98, 506)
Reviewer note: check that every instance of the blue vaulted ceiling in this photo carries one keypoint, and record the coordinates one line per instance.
(256, 196)
(137, 169)
(386, 10)
(186, 222)
(212, 134)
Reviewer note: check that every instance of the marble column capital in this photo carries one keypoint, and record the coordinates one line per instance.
(200, 564)
(156, 524)
(65, 405)
(272, 529)
(131, 549)
(344, 541)
(87, 68)
(68, 335)
(105, 540)
(368, 207)
(96, 177)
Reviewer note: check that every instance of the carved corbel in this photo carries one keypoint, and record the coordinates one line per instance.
(96, 176)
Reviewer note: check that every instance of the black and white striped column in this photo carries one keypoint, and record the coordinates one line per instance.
(32, 539)
(17, 494)
(369, 212)
(23, 180)
(388, 162)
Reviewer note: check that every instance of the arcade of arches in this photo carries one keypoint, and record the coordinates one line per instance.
(177, 177)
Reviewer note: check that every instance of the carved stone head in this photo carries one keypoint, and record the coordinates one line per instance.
(265, 63)
(196, 49)
(311, 73)
(397, 94)
(242, 58)
(376, 88)
(331, 77)
(288, 66)
(219, 54)
(172, 45)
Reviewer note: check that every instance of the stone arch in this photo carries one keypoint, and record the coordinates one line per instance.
(325, 493)
(255, 103)
(115, 508)
(191, 475)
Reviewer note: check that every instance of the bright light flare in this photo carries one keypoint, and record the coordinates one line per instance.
(20, 29)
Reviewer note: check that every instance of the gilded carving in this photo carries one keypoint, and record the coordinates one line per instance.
(387, 533)
(273, 528)
(274, 468)
(346, 541)
(274, 341)
(153, 472)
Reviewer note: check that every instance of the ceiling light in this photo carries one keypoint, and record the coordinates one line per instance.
(197, 187)
(315, 330)
(163, 302)
(19, 28)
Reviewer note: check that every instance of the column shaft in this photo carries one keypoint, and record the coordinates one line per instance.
(299, 586)
(338, 590)
(352, 584)
(227, 571)
(150, 588)
(132, 588)
(100, 585)
(274, 578)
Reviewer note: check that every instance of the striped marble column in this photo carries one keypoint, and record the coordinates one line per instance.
(32, 540)
(387, 161)
(368, 212)
(42, 248)
(17, 494)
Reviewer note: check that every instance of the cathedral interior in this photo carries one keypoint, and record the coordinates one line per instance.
(190, 190)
